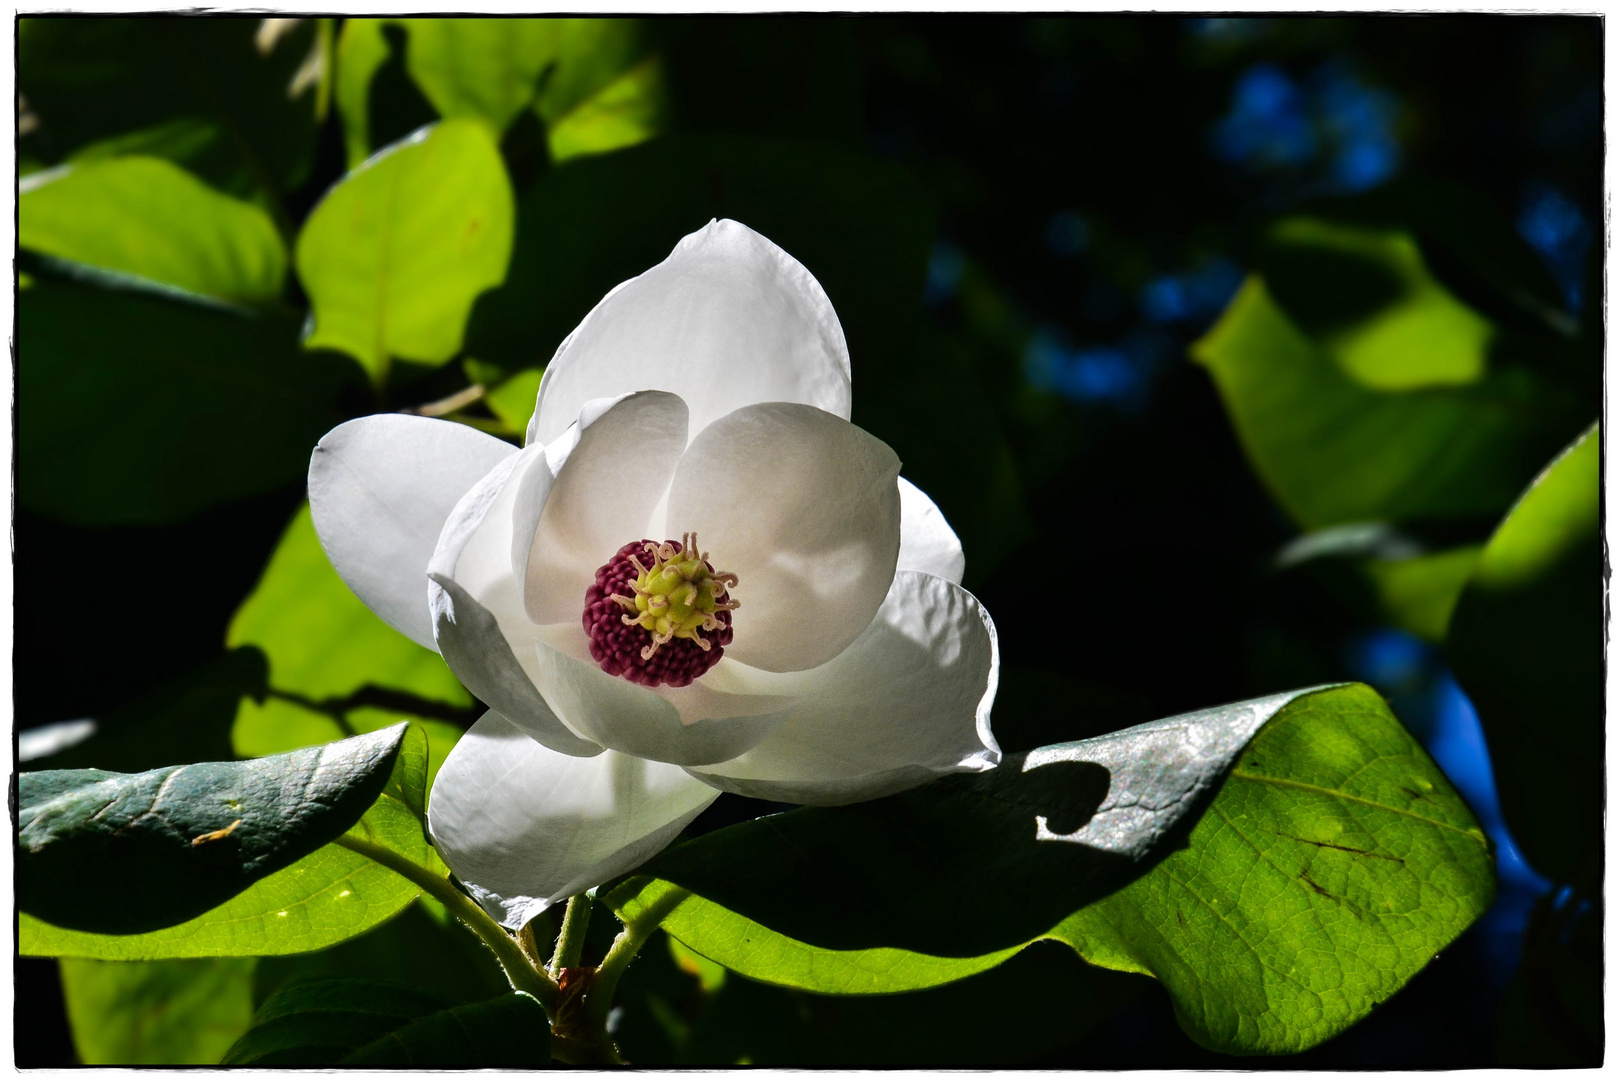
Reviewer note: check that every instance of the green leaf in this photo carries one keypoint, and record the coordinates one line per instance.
(625, 112)
(1039, 1001)
(248, 100)
(357, 1022)
(321, 640)
(160, 1012)
(334, 666)
(1370, 302)
(587, 79)
(395, 254)
(323, 899)
(1396, 579)
(1332, 826)
(1334, 450)
(423, 947)
(124, 853)
(147, 408)
(510, 397)
(1419, 594)
(147, 217)
(1526, 644)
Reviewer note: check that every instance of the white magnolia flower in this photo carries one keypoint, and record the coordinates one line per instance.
(820, 650)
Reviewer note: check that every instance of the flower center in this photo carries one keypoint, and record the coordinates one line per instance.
(667, 622)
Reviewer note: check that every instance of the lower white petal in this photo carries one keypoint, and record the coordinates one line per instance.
(621, 715)
(380, 489)
(926, 542)
(907, 701)
(524, 827)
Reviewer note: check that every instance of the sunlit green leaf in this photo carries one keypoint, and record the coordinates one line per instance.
(334, 666)
(1333, 825)
(320, 900)
(123, 853)
(150, 218)
(588, 79)
(1418, 335)
(157, 1012)
(148, 408)
(1526, 644)
(321, 640)
(398, 250)
(359, 1023)
(627, 111)
(513, 399)
(245, 100)
(1333, 450)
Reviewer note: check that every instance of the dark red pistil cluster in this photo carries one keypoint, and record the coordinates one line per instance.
(617, 648)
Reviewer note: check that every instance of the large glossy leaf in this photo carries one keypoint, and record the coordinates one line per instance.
(359, 1023)
(589, 80)
(124, 853)
(234, 104)
(1332, 825)
(322, 899)
(394, 255)
(1334, 447)
(1526, 644)
(140, 408)
(157, 1012)
(332, 662)
(150, 218)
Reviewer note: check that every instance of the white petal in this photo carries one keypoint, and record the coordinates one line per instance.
(601, 499)
(633, 719)
(380, 488)
(525, 827)
(926, 542)
(804, 508)
(727, 320)
(906, 702)
(476, 606)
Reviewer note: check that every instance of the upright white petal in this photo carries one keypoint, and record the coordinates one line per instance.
(380, 488)
(481, 628)
(525, 827)
(601, 499)
(908, 701)
(804, 507)
(727, 320)
(926, 542)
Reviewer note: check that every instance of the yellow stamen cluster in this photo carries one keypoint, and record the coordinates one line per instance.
(677, 596)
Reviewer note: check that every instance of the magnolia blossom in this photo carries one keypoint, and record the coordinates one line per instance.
(697, 576)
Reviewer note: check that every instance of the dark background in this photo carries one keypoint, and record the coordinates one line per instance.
(1094, 188)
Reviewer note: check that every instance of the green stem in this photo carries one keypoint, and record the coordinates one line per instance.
(635, 934)
(522, 975)
(570, 942)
